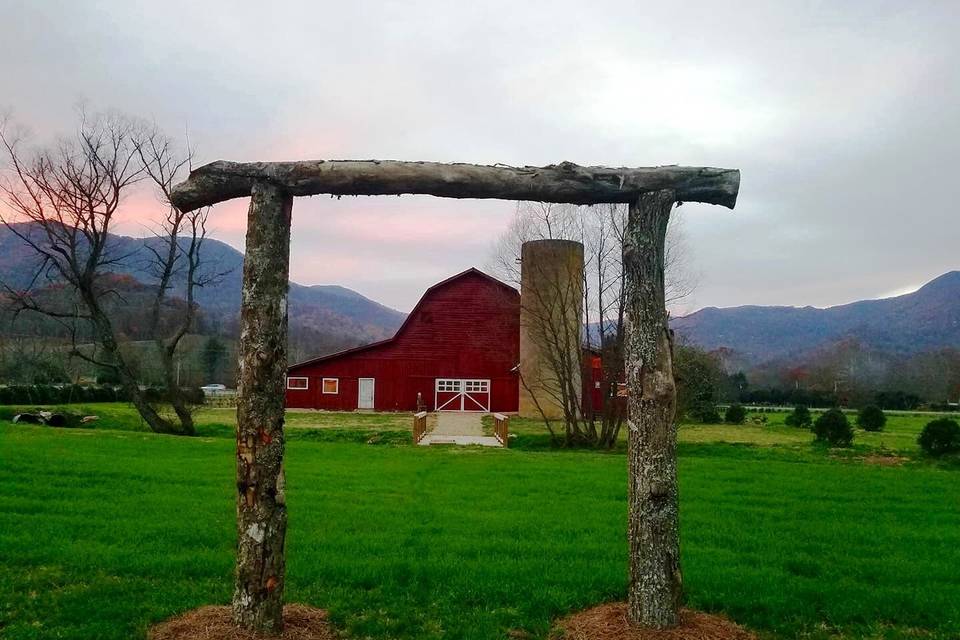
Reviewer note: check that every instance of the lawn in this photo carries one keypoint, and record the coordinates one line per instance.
(219, 422)
(898, 436)
(103, 532)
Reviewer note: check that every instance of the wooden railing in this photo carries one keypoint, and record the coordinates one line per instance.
(501, 428)
(221, 400)
(419, 426)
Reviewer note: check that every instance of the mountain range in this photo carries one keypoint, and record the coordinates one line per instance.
(333, 317)
(924, 320)
(325, 318)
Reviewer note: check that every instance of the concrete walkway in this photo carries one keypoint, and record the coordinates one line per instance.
(457, 428)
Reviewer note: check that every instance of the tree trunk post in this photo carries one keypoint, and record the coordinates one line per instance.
(261, 504)
(655, 588)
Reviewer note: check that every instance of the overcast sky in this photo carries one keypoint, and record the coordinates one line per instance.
(844, 118)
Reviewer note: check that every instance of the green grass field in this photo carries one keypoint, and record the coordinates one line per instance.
(104, 531)
(899, 435)
(389, 428)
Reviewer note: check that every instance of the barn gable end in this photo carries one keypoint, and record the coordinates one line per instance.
(464, 328)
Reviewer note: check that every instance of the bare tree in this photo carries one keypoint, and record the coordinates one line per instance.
(601, 229)
(606, 333)
(175, 256)
(61, 202)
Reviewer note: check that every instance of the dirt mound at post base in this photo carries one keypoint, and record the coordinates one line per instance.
(300, 622)
(609, 622)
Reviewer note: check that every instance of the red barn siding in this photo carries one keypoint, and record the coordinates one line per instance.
(465, 327)
(591, 379)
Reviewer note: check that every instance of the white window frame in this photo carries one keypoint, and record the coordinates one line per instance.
(306, 383)
(323, 386)
(449, 385)
(476, 386)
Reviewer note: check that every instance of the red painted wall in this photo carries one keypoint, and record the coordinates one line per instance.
(464, 327)
(591, 379)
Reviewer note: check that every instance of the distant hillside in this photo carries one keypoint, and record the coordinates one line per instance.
(331, 315)
(926, 319)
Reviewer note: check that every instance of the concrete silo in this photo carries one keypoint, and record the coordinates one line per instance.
(551, 318)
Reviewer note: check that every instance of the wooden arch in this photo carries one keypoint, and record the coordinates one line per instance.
(651, 192)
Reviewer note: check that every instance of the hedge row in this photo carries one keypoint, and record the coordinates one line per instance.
(74, 393)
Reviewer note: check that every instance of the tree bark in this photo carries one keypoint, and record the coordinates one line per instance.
(177, 401)
(564, 182)
(156, 422)
(261, 504)
(655, 588)
(129, 381)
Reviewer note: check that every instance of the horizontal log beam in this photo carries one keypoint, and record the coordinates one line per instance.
(564, 182)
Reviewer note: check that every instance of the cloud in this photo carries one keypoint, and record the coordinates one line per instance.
(841, 116)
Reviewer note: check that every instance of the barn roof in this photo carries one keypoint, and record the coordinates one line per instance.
(408, 319)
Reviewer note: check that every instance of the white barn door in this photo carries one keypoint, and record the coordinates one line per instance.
(451, 394)
(365, 399)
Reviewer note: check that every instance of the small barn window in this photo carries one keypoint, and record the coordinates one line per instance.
(448, 385)
(298, 383)
(476, 386)
(331, 385)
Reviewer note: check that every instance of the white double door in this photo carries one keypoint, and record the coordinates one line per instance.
(458, 394)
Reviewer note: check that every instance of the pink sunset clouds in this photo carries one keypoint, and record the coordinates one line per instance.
(389, 248)
(385, 246)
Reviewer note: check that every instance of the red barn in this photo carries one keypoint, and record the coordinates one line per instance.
(458, 350)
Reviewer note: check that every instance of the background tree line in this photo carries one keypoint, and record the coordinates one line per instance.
(926, 380)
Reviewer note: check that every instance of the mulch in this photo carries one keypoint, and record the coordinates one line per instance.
(300, 622)
(609, 622)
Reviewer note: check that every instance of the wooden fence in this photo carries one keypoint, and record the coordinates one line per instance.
(501, 428)
(419, 426)
(221, 400)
